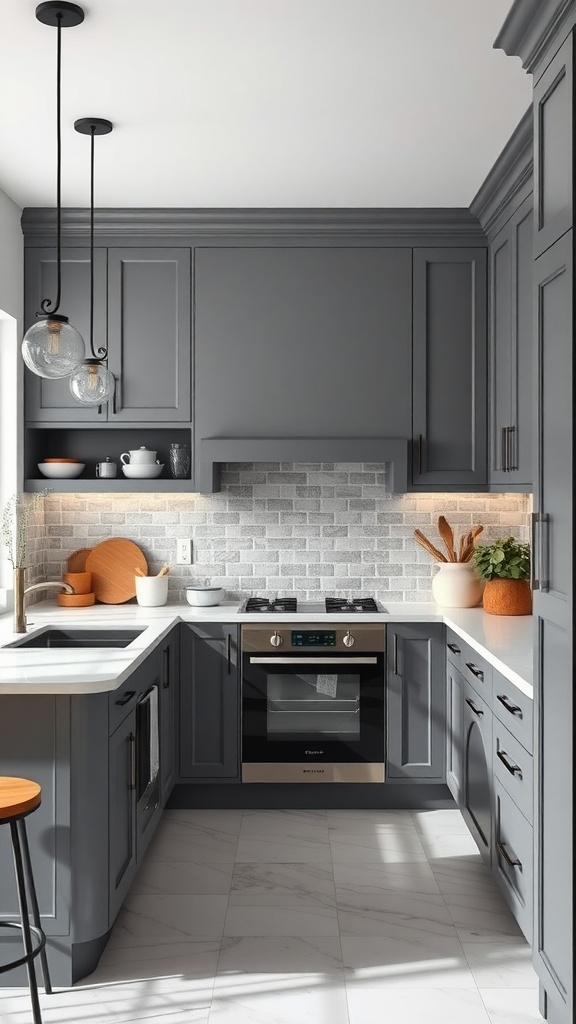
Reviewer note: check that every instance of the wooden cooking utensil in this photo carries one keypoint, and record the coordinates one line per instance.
(113, 564)
(139, 572)
(425, 543)
(164, 570)
(77, 560)
(447, 534)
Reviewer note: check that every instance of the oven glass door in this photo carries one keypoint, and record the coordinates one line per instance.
(328, 708)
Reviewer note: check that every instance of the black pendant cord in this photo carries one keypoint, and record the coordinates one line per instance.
(46, 304)
(102, 352)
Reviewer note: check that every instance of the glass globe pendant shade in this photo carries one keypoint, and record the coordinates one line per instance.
(91, 383)
(52, 347)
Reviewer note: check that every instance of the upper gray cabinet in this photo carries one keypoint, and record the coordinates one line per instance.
(142, 315)
(50, 401)
(511, 352)
(449, 370)
(553, 148)
(302, 341)
(149, 310)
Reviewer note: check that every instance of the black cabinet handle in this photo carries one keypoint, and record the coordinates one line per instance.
(475, 671)
(132, 742)
(510, 859)
(165, 668)
(127, 696)
(472, 705)
(420, 446)
(503, 450)
(395, 654)
(514, 769)
(454, 649)
(511, 449)
(228, 652)
(514, 709)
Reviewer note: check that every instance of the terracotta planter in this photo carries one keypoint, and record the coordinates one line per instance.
(507, 597)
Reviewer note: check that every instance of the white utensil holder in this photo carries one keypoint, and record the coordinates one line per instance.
(151, 591)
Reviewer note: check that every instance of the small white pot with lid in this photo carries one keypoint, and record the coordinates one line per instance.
(203, 595)
(139, 457)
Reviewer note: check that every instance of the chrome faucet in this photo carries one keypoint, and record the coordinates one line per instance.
(20, 594)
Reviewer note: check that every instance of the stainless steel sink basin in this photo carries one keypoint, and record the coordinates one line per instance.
(75, 639)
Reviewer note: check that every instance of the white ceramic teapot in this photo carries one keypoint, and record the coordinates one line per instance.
(139, 457)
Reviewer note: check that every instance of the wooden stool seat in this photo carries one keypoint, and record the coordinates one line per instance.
(18, 797)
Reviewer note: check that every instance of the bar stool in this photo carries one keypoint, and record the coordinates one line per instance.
(18, 798)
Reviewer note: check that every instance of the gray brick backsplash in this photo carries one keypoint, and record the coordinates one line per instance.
(280, 527)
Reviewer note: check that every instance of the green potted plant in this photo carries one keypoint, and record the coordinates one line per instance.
(505, 565)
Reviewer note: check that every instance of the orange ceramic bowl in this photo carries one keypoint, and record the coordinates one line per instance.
(81, 581)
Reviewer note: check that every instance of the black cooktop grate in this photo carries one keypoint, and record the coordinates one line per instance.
(355, 606)
(279, 604)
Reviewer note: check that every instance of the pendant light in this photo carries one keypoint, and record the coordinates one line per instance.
(91, 383)
(53, 347)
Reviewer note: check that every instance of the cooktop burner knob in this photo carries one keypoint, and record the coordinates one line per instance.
(348, 639)
(276, 640)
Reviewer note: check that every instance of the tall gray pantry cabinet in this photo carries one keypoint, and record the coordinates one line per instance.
(543, 36)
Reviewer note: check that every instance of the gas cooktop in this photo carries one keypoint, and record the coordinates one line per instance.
(328, 606)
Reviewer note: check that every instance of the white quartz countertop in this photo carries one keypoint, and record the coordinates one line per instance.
(504, 641)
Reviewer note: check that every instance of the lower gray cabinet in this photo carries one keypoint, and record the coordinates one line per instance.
(476, 799)
(209, 701)
(454, 730)
(416, 702)
(122, 811)
(168, 696)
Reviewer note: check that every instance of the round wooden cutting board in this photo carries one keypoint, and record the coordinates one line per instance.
(77, 560)
(112, 564)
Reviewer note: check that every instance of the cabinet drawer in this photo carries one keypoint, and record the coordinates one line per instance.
(471, 665)
(513, 767)
(514, 709)
(513, 858)
(121, 702)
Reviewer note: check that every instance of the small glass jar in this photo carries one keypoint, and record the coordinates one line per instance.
(180, 461)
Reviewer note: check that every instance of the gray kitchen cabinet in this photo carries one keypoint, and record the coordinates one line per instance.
(554, 148)
(513, 857)
(302, 341)
(553, 618)
(209, 701)
(416, 726)
(454, 730)
(476, 803)
(122, 857)
(142, 315)
(50, 401)
(511, 352)
(149, 349)
(449, 369)
(168, 696)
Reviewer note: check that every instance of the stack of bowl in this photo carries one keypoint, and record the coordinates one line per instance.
(61, 469)
(82, 596)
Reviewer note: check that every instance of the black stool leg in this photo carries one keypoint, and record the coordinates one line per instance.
(26, 933)
(21, 826)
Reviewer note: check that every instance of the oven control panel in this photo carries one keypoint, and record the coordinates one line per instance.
(313, 638)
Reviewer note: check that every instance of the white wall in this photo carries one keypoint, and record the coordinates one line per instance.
(11, 367)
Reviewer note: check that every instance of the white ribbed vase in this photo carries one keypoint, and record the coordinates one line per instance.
(456, 585)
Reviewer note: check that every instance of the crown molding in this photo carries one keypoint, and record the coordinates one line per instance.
(510, 175)
(531, 27)
(456, 224)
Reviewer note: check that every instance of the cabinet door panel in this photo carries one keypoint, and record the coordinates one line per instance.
(50, 401)
(454, 725)
(122, 812)
(416, 703)
(500, 350)
(477, 770)
(168, 700)
(523, 345)
(553, 148)
(209, 703)
(449, 369)
(149, 334)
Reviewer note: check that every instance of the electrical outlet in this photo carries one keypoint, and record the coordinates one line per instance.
(184, 552)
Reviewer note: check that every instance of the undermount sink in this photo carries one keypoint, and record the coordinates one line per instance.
(77, 638)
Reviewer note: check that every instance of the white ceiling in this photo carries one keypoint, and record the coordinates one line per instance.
(240, 103)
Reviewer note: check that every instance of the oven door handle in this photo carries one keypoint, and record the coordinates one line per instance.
(313, 661)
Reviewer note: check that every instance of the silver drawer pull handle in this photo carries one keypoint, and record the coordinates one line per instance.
(475, 671)
(313, 661)
(514, 709)
(471, 704)
(510, 859)
(514, 769)
(453, 648)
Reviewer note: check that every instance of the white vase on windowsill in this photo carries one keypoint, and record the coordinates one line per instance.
(456, 585)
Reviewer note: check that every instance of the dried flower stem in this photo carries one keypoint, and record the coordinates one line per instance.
(16, 516)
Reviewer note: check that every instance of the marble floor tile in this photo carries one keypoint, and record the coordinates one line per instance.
(313, 881)
(279, 914)
(278, 956)
(184, 878)
(284, 850)
(504, 965)
(296, 823)
(463, 875)
(440, 823)
(416, 1006)
(226, 821)
(482, 918)
(416, 877)
(394, 963)
(392, 913)
(512, 1006)
(351, 848)
(459, 844)
(193, 961)
(171, 917)
(287, 999)
(203, 845)
(65, 1006)
(370, 821)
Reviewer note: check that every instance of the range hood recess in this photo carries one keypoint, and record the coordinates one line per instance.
(217, 450)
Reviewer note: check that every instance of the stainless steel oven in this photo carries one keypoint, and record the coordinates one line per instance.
(313, 702)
